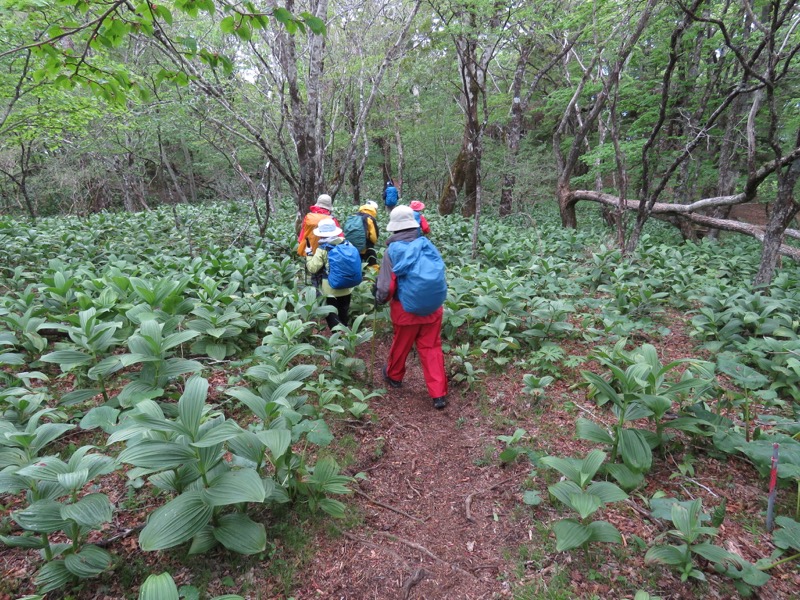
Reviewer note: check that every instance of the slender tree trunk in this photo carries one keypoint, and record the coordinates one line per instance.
(454, 182)
(398, 141)
(187, 157)
(25, 159)
(306, 119)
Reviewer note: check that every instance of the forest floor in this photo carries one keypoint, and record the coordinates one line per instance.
(443, 518)
(436, 515)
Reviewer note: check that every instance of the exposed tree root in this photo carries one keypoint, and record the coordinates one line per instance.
(387, 507)
(418, 576)
(424, 550)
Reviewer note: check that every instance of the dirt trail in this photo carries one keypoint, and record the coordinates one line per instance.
(424, 463)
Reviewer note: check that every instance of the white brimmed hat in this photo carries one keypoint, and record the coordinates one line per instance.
(371, 204)
(324, 201)
(402, 217)
(327, 228)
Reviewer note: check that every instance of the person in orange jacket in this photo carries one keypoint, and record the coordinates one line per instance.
(307, 241)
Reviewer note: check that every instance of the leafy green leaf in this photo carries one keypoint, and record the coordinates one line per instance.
(668, 555)
(176, 522)
(591, 431)
(232, 487)
(89, 561)
(788, 536)
(192, 402)
(42, 516)
(635, 450)
(570, 534)
(602, 531)
(90, 511)
(238, 533)
(159, 587)
(52, 576)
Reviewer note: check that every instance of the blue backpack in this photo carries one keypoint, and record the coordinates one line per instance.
(421, 284)
(344, 265)
(390, 196)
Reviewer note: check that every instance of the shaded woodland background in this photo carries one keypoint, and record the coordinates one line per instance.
(651, 109)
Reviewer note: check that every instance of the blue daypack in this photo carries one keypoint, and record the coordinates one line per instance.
(344, 265)
(421, 284)
(390, 196)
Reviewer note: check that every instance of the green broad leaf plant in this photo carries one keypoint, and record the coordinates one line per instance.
(694, 543)
(581, 494)
(638, 390)
(58, 509)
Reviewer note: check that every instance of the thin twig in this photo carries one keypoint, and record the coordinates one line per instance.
(415, 490)
(468, 501)
(697, 483)
(387, 507)
(424, 550)
(124, 534)
(586, 410)
(644, 514)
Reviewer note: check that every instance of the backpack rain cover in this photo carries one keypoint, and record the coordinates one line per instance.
(420, 271)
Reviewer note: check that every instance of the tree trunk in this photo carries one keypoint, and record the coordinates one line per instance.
(454, 182)
(386, 151)
(507, 192)
(187, 157)
(398, 140)
(566, 207)
(784, 209)
(306, 118)
(728, 167)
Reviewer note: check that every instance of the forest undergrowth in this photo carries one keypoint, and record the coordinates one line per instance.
(177, 423)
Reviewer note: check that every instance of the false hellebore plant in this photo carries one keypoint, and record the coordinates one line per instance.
(185, 456)
(579, 493)
(56, 504)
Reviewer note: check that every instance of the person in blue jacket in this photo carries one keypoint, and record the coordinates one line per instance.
(390, 196)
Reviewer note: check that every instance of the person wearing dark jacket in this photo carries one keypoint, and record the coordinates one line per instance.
(410, 329)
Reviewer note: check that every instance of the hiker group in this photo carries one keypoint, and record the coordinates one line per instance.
(410, 276)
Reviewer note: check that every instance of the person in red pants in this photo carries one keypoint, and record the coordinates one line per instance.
(409, 328)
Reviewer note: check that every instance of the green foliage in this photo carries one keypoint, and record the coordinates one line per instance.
(581, 494)
(58, 506)
(638, 388)
(694, 544)
(162, 587)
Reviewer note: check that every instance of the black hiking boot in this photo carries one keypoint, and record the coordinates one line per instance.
(390, 381)
(439, 403)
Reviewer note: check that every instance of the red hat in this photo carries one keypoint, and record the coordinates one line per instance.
(417, 205)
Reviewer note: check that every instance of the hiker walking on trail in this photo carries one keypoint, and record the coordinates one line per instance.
(339, 266)
(390, 195)
(418, 207)
(412, 279)
(307, 241)
(361, 230)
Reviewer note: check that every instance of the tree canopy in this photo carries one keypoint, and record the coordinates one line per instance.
(672, 110)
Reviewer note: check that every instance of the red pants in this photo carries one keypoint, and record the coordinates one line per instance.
(428, 339)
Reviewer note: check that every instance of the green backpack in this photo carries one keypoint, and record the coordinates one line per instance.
(355, 231)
